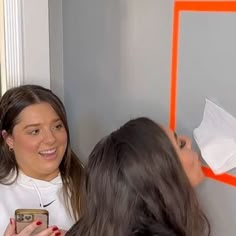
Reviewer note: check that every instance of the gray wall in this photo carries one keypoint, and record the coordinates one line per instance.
(207, 55)
(56, 47)
(116, 64)
(117, 59)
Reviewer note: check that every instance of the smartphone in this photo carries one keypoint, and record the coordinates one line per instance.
(24, 217)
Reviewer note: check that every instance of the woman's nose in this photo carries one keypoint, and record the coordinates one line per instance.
(49, 137)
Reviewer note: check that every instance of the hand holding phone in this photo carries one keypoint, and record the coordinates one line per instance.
(28, 230)
(24, 217)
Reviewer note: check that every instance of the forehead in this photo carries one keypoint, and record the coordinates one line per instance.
(37, 113)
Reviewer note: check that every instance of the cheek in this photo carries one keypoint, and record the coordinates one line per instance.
(189, 161)
(192, 167)
(63, 139)
(25, 150)
(186, 160)
(25, 145)
(188, 166)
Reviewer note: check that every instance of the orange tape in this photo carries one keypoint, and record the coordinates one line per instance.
(210, 6)
(224, 178)
(206, 6)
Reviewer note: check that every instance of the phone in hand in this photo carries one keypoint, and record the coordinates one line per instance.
(24, 217)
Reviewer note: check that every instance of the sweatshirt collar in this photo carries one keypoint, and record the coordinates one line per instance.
(26, 180)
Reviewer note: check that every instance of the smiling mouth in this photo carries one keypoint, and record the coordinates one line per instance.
(48, 154)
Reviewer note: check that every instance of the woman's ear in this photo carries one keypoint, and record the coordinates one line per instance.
(4, 134)
(8, 139)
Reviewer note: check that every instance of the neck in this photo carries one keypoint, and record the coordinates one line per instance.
(44, 177)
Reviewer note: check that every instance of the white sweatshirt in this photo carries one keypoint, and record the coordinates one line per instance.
(31, 193)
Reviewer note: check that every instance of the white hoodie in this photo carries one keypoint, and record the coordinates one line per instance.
(32, 193)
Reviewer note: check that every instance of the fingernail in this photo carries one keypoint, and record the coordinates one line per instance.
(57, 234)
(11, 221)
(39, 222)
(55, 228)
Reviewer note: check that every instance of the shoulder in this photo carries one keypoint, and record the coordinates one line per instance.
(6, 187)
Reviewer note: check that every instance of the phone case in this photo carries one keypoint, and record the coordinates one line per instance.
(25, 217)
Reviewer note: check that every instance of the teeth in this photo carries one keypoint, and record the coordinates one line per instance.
(47, 152)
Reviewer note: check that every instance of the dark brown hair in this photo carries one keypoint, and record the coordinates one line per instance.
(11, 105)
(135, 185)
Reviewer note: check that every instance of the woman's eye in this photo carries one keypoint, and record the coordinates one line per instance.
(34, 132)
(58, 126)
(182, 143)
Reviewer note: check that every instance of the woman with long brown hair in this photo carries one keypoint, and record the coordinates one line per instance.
(140, 181)
(38, 169)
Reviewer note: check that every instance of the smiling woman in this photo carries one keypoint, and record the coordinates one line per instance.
(39, 141)
(37, 166)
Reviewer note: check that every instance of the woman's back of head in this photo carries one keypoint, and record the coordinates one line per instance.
(135, 185)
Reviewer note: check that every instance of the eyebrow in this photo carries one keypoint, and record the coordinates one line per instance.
(31, 125)
(38, 124)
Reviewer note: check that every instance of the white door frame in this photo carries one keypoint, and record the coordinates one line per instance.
(26, 44)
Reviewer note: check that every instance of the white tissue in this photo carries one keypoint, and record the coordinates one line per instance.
(216, 138)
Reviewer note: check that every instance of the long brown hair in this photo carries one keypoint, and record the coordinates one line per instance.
(11, 104)
(136, 185)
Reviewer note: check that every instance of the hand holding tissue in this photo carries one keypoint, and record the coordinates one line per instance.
(216, 138)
